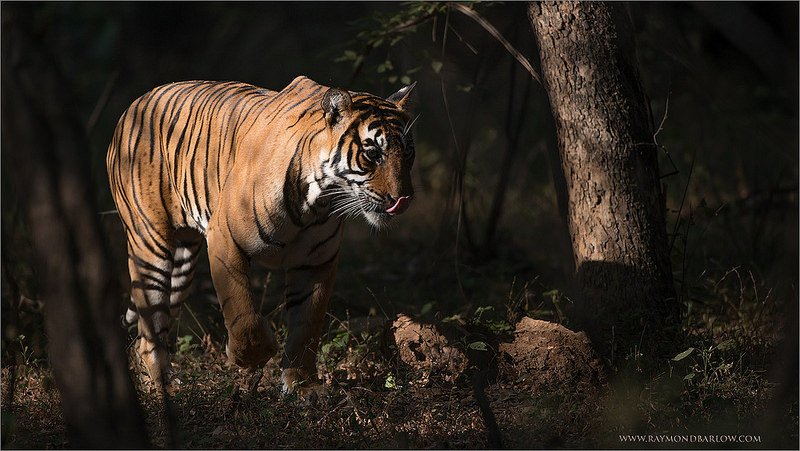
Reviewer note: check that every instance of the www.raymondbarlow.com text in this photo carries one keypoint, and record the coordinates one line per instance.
(684, 438)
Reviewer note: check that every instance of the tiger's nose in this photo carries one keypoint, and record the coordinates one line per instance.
(400, 205)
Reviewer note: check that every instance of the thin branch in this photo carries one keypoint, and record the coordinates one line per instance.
(463, 41)
(411, 23)
(683, 200)
(496, 34)
(460, 164)
(102, 102)
(663, 119)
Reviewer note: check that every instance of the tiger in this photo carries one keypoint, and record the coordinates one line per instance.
(261, 176)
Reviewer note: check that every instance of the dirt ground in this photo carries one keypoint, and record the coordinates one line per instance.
(404, 383)
(411, 386)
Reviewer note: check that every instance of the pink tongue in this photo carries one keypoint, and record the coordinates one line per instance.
(400, 206)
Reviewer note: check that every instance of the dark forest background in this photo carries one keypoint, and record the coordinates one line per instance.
(485, 229)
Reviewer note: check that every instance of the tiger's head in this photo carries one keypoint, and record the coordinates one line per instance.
(369, 167)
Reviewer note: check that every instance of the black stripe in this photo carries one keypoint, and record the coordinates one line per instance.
(236, 243)
(155, 280)
(148, 266)
(315, 266)
(262, 233)
(182, 261)
(183, 273)
(139, 285)
(182, 286)
(326, 240)
(301, 116)
(292, 189)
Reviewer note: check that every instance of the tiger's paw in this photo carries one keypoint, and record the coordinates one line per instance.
(308, 389)
(155, 360)
(251, 345)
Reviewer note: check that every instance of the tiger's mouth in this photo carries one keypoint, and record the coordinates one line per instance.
(399, 206)
(379, 215)
(377, 211)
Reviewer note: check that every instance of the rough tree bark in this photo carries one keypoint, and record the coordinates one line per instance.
(46, 145)
(615, 207)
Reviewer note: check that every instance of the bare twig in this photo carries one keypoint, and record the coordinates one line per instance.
(513, 133)
(663, 120)
(267, 280)
(102, 101)
(496, 34)
(683, 199)
(409, 24)
(460, 168)
(464, 41)
(195, 319)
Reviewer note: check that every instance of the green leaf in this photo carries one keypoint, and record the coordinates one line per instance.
(689, 377)
(390, 383)
(725, 345)
(478, 346)
(427, 307)
(683, 355)
(405, 80)
(349, 55)
(454, 319)
(436, 66)
(384, 66)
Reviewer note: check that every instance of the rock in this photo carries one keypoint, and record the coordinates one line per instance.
(549, 357)
(542, 355)
(427, 348)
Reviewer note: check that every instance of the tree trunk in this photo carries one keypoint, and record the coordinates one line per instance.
(47, 147)
(615, 207)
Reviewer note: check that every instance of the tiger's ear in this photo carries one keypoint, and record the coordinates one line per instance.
(336, 103)
(402, 98)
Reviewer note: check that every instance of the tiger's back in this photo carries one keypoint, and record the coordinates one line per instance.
(178, 143)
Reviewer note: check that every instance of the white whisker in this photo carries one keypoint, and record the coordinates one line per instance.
(408, 126)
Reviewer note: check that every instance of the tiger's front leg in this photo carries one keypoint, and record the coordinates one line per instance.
(251, 342)
(308, 290)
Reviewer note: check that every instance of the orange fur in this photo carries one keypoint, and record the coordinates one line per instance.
(260, 175)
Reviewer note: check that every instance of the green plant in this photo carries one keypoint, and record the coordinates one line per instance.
(390, 382)
(335, 346)
(381, 32)
(25, 351)
(488, 317)
(185, 345)
(706, 368)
